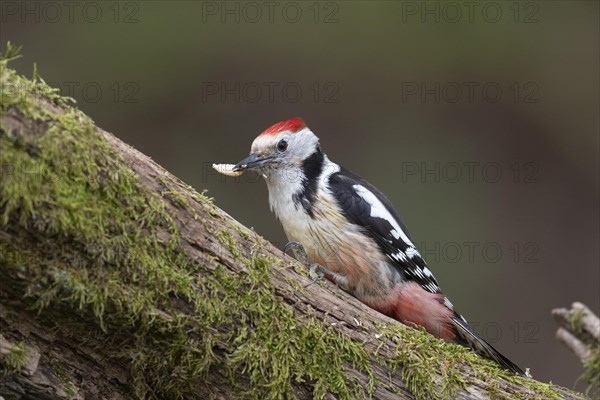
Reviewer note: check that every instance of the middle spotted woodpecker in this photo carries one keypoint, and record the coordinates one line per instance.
(352, 234)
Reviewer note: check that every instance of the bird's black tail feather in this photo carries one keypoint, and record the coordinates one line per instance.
(481, 347)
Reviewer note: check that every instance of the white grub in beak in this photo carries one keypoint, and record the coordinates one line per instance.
(227, 169)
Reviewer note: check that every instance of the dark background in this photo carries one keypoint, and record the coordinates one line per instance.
(479, 122)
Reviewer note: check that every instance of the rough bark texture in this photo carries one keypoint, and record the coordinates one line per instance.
(133, 308)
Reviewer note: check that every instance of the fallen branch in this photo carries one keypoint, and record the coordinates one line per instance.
(119, 281)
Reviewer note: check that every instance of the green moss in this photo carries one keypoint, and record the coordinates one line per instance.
(13, 359)
(423, 357)
(103, 260)
(418, 355)
(113, 259)
(173, 193)
(243, 232)
(494, 392)
(226, 238)
(592, 373)
(592, 364)
(62, 375)
(576, 321)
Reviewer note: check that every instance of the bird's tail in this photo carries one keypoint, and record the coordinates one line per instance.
(480, 346)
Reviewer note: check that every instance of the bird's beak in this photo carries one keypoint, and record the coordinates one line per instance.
(251, 162)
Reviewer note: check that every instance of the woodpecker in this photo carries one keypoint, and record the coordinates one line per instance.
(353, 235)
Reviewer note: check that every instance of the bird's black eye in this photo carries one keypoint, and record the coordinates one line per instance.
(282, 145)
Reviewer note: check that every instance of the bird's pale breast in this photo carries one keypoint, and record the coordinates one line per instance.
(340, 246)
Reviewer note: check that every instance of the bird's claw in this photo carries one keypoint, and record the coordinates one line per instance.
(299, 253)
(316, 274)
(291, 246)
(316, 271)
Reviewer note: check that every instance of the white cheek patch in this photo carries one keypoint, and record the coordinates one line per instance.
(378, 210)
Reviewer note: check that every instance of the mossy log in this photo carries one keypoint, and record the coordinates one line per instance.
(119, 281)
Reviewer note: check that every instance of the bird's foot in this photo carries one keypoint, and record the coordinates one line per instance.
(316, 271)
(298, 252)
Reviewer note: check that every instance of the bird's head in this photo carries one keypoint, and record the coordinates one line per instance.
(283, 146)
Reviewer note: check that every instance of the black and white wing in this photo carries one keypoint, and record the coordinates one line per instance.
(366, 206)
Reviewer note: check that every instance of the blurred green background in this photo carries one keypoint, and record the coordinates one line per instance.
(480, 123)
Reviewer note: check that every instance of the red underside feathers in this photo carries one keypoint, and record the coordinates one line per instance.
(413, 304)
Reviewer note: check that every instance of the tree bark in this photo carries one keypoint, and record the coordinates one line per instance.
(143, 304)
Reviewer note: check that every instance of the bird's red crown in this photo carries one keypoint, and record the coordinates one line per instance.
(293, 125)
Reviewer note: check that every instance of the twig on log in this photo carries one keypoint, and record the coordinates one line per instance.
(579, 330)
